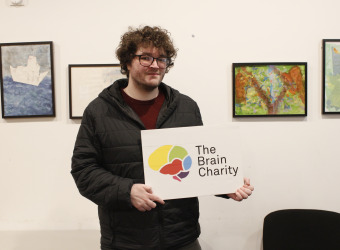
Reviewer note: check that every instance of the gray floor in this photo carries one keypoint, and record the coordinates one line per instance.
(50, 240)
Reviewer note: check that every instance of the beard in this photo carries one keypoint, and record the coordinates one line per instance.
(149, 88)
(148, 85)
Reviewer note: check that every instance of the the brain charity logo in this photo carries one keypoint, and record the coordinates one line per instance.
(171, 160)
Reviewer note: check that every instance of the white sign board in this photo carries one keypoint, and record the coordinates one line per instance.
(192, 161)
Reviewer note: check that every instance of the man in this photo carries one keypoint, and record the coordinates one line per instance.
(107, 162)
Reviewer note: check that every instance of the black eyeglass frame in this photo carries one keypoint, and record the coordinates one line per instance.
(168, 61)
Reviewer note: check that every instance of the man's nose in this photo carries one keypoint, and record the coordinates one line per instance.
(154, 64)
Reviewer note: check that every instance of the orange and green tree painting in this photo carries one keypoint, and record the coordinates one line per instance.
(275, 89)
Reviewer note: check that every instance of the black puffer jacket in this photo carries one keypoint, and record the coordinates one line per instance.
(107, 161)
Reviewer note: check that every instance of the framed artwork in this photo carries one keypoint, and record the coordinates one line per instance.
(27, 85)
(269, 89)
(331, 76)
(86, 81)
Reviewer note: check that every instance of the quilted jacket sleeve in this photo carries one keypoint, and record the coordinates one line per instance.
(93, 181)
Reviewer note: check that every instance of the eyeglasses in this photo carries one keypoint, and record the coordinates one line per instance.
(147, 61)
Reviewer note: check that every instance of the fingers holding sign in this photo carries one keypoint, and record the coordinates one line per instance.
(243, 192)
(143, 198)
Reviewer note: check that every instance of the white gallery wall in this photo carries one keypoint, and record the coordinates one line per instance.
(293, 162)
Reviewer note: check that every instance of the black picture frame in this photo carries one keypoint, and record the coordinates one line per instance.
(330, 76)
(27, 79)
(86, 81)
(269, 89)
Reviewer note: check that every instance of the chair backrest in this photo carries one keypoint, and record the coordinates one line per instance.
(300, 229)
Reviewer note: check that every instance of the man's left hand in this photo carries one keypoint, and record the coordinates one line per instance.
(243, 192)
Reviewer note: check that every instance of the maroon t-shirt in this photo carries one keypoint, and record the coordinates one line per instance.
(146, 110)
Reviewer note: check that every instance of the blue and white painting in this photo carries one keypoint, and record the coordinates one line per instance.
(27, 80)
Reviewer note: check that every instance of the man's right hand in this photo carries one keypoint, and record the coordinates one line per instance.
(142, 197)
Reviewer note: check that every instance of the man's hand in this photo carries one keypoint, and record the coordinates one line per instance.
(142, 197)
(243, 192)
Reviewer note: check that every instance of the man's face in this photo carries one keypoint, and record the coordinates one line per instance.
(147, 78)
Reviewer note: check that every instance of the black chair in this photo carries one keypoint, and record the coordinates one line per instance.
(301, 229)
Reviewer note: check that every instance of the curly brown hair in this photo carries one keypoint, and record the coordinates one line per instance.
(144, 36)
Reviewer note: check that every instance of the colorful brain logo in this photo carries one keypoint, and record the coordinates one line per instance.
(171, 160)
